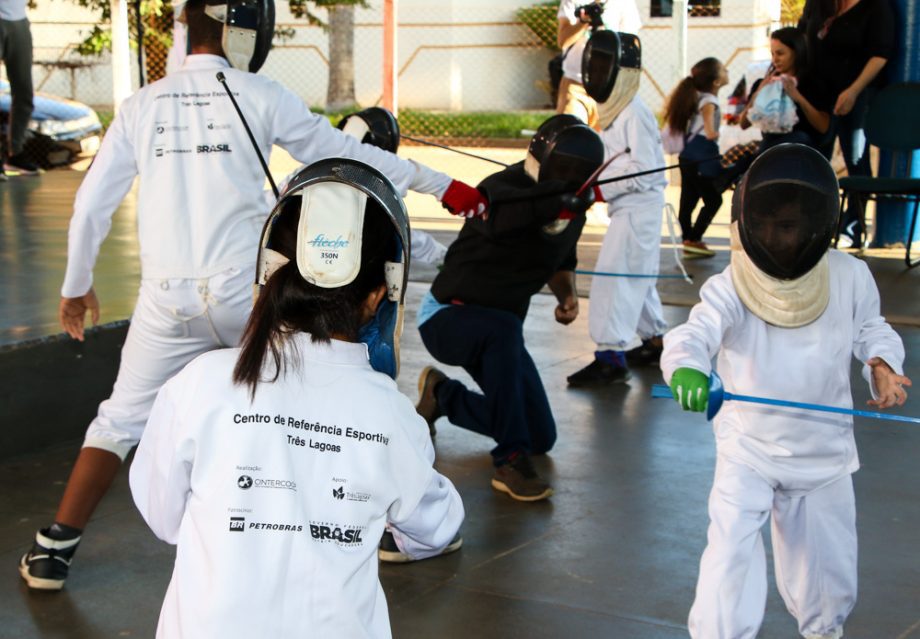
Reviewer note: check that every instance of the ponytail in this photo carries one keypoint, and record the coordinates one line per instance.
(683, 101)
(681, 105)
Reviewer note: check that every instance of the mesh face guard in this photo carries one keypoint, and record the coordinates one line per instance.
(564, 148)
(375, 126)
(787, 207)
(249, 26)
(334, 196)
(611, 70)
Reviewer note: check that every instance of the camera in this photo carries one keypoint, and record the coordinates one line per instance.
(593, 11)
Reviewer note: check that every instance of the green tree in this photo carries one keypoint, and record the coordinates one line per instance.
(340, 91)
(157, 17)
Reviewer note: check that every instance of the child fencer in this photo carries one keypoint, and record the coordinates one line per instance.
(378, 127)
(625, 318)
(784, 318)
(259, 463)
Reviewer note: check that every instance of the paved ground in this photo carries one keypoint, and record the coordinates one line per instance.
(613, 554)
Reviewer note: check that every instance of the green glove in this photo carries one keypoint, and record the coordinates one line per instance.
(690, 388)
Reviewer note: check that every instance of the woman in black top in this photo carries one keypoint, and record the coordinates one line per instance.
(813, 101)
(851, 41)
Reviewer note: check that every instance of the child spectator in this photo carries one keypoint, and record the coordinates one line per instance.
(693, 109)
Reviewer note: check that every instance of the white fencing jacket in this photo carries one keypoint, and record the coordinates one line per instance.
(634, 140)
(793, 449)
(277, 506)
(200, 207)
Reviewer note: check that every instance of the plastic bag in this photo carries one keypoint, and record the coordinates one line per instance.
(773, 110)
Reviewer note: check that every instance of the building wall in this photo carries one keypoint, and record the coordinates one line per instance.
(454, 55)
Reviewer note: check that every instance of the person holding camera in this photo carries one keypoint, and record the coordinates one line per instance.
(576, 22)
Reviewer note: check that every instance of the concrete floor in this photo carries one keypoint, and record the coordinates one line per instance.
(613, 554)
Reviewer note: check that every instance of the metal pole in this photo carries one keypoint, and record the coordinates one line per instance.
(140, 43)
(390, 85)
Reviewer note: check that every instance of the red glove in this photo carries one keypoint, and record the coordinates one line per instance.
(463, 200)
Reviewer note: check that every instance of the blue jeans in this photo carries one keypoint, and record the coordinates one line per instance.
(489, 344)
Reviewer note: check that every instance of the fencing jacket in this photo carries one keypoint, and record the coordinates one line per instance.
(200, 207)
(277, 506)
(794, 449)
(633, 140)
(502, 261)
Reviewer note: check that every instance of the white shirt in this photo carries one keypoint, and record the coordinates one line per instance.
(12, 10)
(796, 449)
(633, 137)
(619, 15)
(277, 506)
(200, 207)
(696, 122)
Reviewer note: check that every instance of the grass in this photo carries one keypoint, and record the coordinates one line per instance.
(471, 124)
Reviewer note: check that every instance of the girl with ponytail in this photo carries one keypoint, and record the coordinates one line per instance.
(279, 465)
(693, 111)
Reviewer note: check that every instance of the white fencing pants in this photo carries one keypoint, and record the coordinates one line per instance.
(626, 310)
(174, 321)
(814, 554)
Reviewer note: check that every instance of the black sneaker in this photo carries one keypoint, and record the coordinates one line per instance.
(389, 552)
(597, 373)
(649, 353)
(518, 478)
(427, 405)
(19, 164)
(45, 566)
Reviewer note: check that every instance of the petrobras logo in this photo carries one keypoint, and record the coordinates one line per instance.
(237, 524)
(341, 535)
(213, 148)
(268, 525)
(321, 241)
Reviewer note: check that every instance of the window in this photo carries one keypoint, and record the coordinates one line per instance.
(697, 8)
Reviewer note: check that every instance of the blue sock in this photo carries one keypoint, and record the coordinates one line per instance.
(614, 358)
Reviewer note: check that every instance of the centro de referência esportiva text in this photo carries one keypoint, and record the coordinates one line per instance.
(312, 427)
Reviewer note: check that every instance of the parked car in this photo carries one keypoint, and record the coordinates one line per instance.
(61, 130)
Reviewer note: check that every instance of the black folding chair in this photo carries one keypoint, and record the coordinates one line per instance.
(892, 124)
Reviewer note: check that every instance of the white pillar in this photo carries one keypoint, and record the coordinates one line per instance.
(681, 67)
(121, 53)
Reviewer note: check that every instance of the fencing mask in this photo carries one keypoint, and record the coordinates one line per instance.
(375, 126)
(611, 66)
(784, 216)
(564, 148)
(249, 26)
(334, 197)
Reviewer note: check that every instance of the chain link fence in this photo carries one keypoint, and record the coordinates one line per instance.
(469, 72)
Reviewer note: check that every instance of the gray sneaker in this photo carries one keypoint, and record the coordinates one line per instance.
(518, 478)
